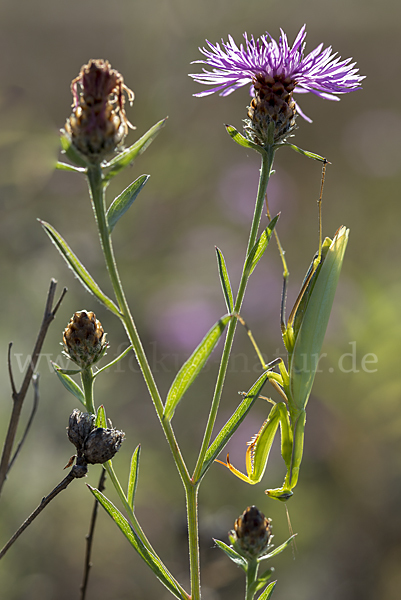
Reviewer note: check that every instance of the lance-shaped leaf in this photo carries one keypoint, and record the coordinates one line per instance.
(243, 141)
(260, 582)
(121, 204)
(133, 476)
(65, 167)
(151, 559)
(73, 262)
(306, 153)
(225, 280)
(232, 554)
(101, 420)
(191, 369)
(277, 550)
(127, 156)
(259, 248)
(69, 383)
(267, 594)
(233, 423)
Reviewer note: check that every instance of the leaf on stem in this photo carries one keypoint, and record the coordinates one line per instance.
(277, 550)
(113, 362)
(126, 157)
(69, 383)
(151, 559)
(73, 262)
(233, 423)
(242, 140)
(121, 203)
(101, 420)
(267, 594)
(133, 477)
(306, 152)
(232, 554)
(191, 369)
(65, 167)
(225, 280)
(260, 582)
(259, 248)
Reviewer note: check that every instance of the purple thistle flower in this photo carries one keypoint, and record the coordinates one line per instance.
(264, 60)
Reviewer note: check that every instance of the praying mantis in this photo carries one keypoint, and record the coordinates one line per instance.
(303, 336)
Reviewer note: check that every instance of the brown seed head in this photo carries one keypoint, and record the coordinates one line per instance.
(98, 124)
(252, 531)
(272, 103)
(95, 445)
(84, 339)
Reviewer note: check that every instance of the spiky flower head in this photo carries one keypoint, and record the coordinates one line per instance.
(98, 124)
(84, 339)
(275, 71)
(252, 533)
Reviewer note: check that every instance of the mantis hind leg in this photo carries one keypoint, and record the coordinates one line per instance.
(292, 457)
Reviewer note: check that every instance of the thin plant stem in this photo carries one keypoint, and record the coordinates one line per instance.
(89, 538)
(35, 383)
(98, 201)
(266, 168)
(251, 574)
(87, 383)
(193, 539)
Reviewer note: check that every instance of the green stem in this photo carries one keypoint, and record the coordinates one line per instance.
(132, 518)
(99, 206)
(251, 575)
(87, 383)
(266, 168)
(191, 492)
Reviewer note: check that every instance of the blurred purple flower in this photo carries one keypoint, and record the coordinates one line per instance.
(321, 72)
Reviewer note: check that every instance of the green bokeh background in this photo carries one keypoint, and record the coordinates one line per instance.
(346, 508)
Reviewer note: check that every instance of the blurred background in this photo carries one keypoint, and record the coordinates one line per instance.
(346, 507)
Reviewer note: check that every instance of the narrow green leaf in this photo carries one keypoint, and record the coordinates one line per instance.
(69, 383)
(259, 248)
(70, 151)
(233, 423)
(121, 204)
(232, 554)
(267, 594)
(101, 420)
(133, 477)
(151, 559)
(277, 550)
(73, 262)
(306, 153)
(113, 362)
(242, 140)
(191, 369)
(127, 156)
(65, 167)
(260, 582)
(225, 281)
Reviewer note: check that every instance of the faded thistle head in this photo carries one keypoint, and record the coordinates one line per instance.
(98, 124)
(84, 339)
(275, 71)
(251, 534)
(95, 445)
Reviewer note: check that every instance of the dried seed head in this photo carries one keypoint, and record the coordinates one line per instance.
(252, 531)
(84, 339)
(102, 444)
(98, 124)
(272, 104)
(95, 445)
(79, 427)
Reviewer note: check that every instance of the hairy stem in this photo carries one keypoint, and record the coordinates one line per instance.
(266, 168)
